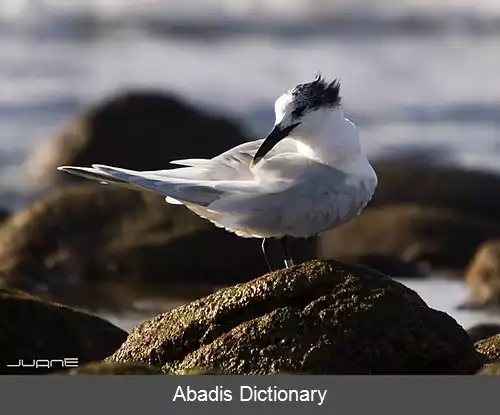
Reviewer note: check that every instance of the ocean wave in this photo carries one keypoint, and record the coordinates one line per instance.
(272, 17)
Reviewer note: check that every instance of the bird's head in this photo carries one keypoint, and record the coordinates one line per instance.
(301, 111)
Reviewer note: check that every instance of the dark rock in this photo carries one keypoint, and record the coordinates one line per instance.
(483, 331)
(414, 155)
(465, 191)
(483, 275)
(321, 317)
(4, 214)
(31, 328)
(390, 266)
(95, 234)
(442, 238)
(101, 368)
(141, 130)
(490, 348)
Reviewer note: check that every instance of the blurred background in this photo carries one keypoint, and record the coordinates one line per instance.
(418, 77)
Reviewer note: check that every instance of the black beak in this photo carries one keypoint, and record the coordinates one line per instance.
(275, 136)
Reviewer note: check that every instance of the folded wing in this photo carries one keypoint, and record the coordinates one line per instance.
(201, 182)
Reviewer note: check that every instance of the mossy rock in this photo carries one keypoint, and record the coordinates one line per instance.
(101, 368)
(320, 317)
(443, 239)
(31, 328)
(94, 234)
(490, 347)
(135, 129)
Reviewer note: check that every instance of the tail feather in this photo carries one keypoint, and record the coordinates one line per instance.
(92, 174)
(192, 162)
(174, 189)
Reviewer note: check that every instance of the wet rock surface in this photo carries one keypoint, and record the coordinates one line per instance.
(321, 317)
(138, 129)
(35, 330)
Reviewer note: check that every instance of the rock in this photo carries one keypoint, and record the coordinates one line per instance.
(93, 234)
(490, 347)
(4, 214)
(483, 275)
(100, 368)
(490, 369)
(136, 129)
(409, 233)
(483, 331)
(390, 266)
(443, 186)
(320, 317)
(31, 328)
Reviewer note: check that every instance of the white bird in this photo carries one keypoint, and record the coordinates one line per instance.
(308, 176)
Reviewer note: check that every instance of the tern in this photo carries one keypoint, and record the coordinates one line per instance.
(308, 176)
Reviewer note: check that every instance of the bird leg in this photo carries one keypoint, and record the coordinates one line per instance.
(286, 252)
(265, 245)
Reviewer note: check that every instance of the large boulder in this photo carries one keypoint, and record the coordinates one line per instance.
(439, 185)
(32, 329)
(140, 130)
(483, 276)
(409, 233)
(320, 317)
(95, 234)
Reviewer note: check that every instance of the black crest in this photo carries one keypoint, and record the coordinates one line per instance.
(315, 94)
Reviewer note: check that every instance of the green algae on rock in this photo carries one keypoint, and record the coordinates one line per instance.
(321, 317)
(31, 328)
